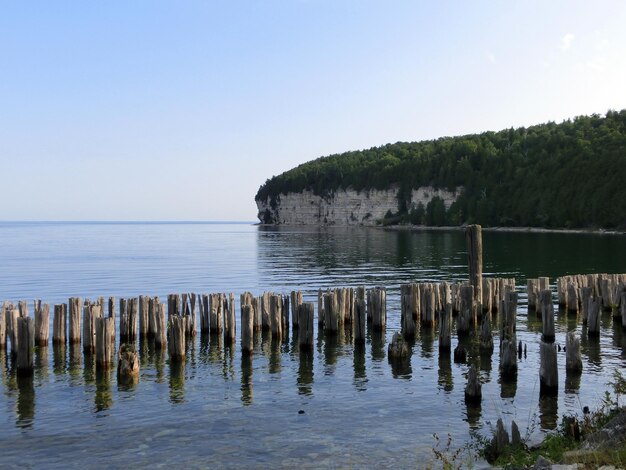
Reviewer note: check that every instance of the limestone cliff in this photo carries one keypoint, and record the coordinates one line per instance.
(344, 206)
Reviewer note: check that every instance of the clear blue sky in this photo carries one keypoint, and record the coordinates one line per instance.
(151, 110)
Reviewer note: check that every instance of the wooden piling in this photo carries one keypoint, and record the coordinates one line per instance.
(266, 322)
(321, 315)
(204, 313)
(42, 323)
(160, 333)
(547, 315)
(622, 310)
(3, 325)
(473, 234)
(466, 313)
(176, 338)
(13, 315)
(104, 341)
(26, 346)
(573, 361)
(508, 359)
(127, 365)
(445, 318)
(276, 321)
(112, 314)
(398, 348)
(407, 320)
(296, 301)
(585, 295)
(360, 317)
(91, 312)
(378, 296)
(128, 320)
(473, 389)
(59, 324)
(427, 305)
(572, 298)
(74, 320)
(305, 325)
(548, 372)
(216, 312)
(593, 318)
(285, 313)
(230, 331)
(486, 337)
(144, 319)
(247, 330)
(531, 291)
(153, 305)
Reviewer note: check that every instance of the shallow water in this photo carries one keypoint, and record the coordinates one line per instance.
(334, 407)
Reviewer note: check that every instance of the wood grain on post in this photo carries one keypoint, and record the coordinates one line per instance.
(585, 294)
(474, 239)
(296, 301)
(473, 389)
(276, 321)
(548, 372)
(379, 308)
(3, 324)
(547, 315)
(112, 315)
(360, 317)
(144, 319)
(230, 331)
(176, 338)
(74, 320)
(486, 337)
(247, 330)
(59, 324)
(573, 361)
(466, 312)
(305, 322)
(26, 346)
(445, 318)
(593, 319)
(104, 341)
(216, 312)
(91, 312)
(127, 365)
(160, 334)
(42, 323)
(13, 315)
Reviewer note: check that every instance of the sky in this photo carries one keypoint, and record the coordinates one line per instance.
(180, 110)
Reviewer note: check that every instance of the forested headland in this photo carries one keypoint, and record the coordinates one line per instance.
(566, 175)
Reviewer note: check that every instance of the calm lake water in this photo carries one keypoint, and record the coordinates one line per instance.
(336, 407)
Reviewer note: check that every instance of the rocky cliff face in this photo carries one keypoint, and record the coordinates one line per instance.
(344, 206)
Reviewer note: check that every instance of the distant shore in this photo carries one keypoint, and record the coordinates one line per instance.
(419, 228)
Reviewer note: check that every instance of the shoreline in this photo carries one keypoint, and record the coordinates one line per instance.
(451, 228)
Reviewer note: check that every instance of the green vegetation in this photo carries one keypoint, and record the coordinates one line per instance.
(568, 175)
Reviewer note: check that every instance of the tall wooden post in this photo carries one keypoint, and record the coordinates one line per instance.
(26, 342)
(474, 236)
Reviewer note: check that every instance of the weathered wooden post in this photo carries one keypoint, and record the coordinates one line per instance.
(407, 321)
(486, 338)
(42, 323)
(427, 305)
(474, 239)
(23, 308)
(266, 322)
(547, 315)
(216, 312)
(144, 319)
(622, 309)
(305, 322)
(128, 320)
(573, 361)
(572, 298)
(284, 311)
(14, 314)
(593, 319)
(531, 290)
(104, 341)
(3, 325)
(331, 322)
(585, 295)
(153, 305)
(508, 359)
(91, 312)
(112, 315)
(473, 389)
(379, 308)
(445, 318)
(398, 348)
(247, 330)
(127, 365)
(204, 313)
(256, 307)
(59, 324)
(466, 311)
(160, 333)
(74, 304)
(189, 312)
(276, 321)
(26, 346)
(296, 301)
(548, 372)
(360, 317)
(230, 332)
(176, 338)
(321, 315)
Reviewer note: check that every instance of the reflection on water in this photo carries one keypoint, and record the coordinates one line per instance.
(345, 387)
(25, 402)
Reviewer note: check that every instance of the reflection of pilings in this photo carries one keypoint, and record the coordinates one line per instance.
(25, 402)
(360, 374)
(104, 397)
(58, 359)
(548, 412)
(247, 393)
(177, 381)
(444, 372)
(305, 373)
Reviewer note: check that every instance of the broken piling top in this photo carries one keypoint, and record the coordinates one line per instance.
(474, 237)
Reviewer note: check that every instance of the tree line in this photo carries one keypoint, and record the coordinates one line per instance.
(567, 175)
